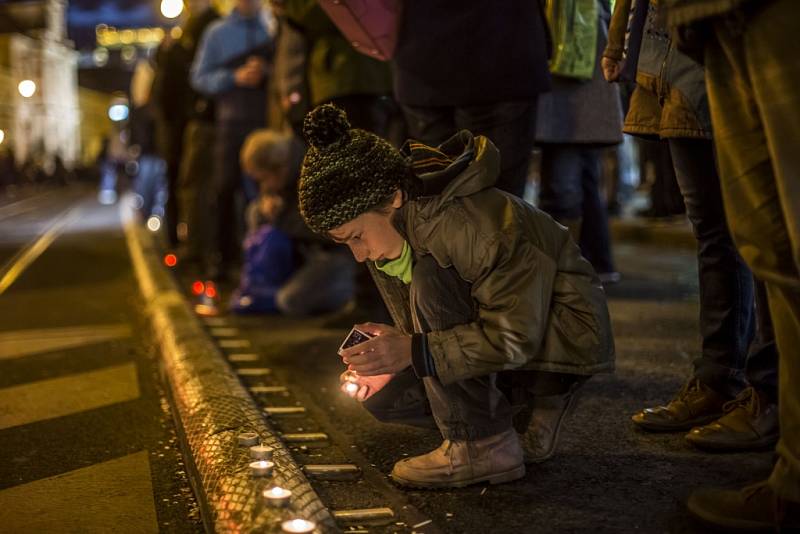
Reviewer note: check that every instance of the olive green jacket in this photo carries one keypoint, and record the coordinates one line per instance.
(540, 304)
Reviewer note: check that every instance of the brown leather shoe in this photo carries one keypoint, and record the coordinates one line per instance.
(455, 464)
(755, 508)
(750, 422)
(548, 414)
(695, 404)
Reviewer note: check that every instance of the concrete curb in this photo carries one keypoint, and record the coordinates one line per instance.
(211, 408)
(674, 234)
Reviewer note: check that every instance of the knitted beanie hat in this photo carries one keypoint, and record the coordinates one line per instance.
(346, 172)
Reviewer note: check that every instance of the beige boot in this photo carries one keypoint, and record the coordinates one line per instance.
(455, 464)
(540, 439)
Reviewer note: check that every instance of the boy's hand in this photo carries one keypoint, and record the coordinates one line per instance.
(611, 68)
(363, 387)
(388, 352)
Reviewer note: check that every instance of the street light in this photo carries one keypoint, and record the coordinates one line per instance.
(171, 8)
(27, 88)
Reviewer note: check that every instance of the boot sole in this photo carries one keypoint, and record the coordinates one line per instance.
(684, 427)
(497, 478)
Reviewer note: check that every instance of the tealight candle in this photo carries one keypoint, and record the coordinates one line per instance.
(298, 526)
(351, 388)
(247, 439)
(261, 468)
(261, 452)
(277, 496)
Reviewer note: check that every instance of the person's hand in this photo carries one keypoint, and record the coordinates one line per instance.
(251, 73)
(387, 353)
(611, 68)
(360, 387)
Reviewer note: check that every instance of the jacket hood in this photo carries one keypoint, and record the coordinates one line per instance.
(459, 167)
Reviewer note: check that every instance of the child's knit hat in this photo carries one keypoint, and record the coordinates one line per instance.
(346, 172)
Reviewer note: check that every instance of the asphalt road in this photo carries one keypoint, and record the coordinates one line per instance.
(87, 442)
(606, 476)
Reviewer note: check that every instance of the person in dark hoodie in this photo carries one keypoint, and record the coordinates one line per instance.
(498, 318)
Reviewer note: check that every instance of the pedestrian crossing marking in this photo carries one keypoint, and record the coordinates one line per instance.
(21, 343)
(57, 397)
(113, 496)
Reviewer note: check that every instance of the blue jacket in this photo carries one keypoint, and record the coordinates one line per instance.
(224, 47)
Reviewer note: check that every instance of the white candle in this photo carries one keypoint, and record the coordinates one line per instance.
(261, 452)
(352, 388)
(247, 439)
(261, 468)
(277, 496)
(301, 526)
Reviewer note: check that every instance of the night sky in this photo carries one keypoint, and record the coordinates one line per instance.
(84, 15)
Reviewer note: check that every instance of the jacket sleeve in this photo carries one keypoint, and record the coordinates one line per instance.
(512, 284)
(616, 30)
(209, 75)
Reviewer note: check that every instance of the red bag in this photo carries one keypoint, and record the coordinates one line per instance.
(371, 26)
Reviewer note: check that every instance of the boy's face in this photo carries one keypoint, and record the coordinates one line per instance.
(372, 236)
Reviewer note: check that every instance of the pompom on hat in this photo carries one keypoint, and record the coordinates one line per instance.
(346, 172)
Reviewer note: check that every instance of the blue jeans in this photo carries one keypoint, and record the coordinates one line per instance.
(727, 321)
(570, 190)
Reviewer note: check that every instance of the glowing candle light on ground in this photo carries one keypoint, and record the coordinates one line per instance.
(277, 496)
(298, 526)
(261, 468)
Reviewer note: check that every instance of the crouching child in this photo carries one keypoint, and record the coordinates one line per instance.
(498, 318)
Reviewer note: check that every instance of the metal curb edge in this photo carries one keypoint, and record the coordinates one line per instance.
(211, 408)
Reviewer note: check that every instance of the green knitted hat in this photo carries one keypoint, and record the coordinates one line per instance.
(346, 172)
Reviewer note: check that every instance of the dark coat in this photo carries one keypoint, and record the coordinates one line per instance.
(456, 53)
(577, 111)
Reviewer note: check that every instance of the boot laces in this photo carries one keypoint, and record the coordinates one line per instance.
(747, 399)
(448, 451)
(691, 388)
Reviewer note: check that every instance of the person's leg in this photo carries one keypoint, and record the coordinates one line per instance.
(595, 240)
(511, 126)
(753, 78)
(324, 282)
(762, 362)
(367, 112)
(726, 299)
(473, 415)
(560, 192)
(226, 184)
(726, 284)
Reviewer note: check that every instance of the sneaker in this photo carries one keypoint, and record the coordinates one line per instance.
(548, 414)
(456, 464)
(695, 404)
(750, 422)
(754, 508)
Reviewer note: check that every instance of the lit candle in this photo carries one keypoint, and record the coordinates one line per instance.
(246, 439)
(351, 388)
(261, 468)
(300, 526)
(261, 452)
(277, 496)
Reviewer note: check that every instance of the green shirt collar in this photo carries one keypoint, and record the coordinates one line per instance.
(400, 267)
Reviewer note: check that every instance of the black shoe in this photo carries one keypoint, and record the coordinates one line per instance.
(754, 508)
(750, 422)
(695, 404)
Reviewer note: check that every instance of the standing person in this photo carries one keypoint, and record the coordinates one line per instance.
(337, 73)
(480, 70)
(231, 67)
(670, 102)
(175, 102)
(496, 313)
(574, 122)
(753, 81)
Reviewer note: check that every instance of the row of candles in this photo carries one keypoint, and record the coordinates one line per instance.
(276, 496)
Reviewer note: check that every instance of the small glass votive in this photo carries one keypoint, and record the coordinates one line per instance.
(261, 452)
(277, 497)
(298, 526)
(247, 439)
(261, 468)
(351, 388)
